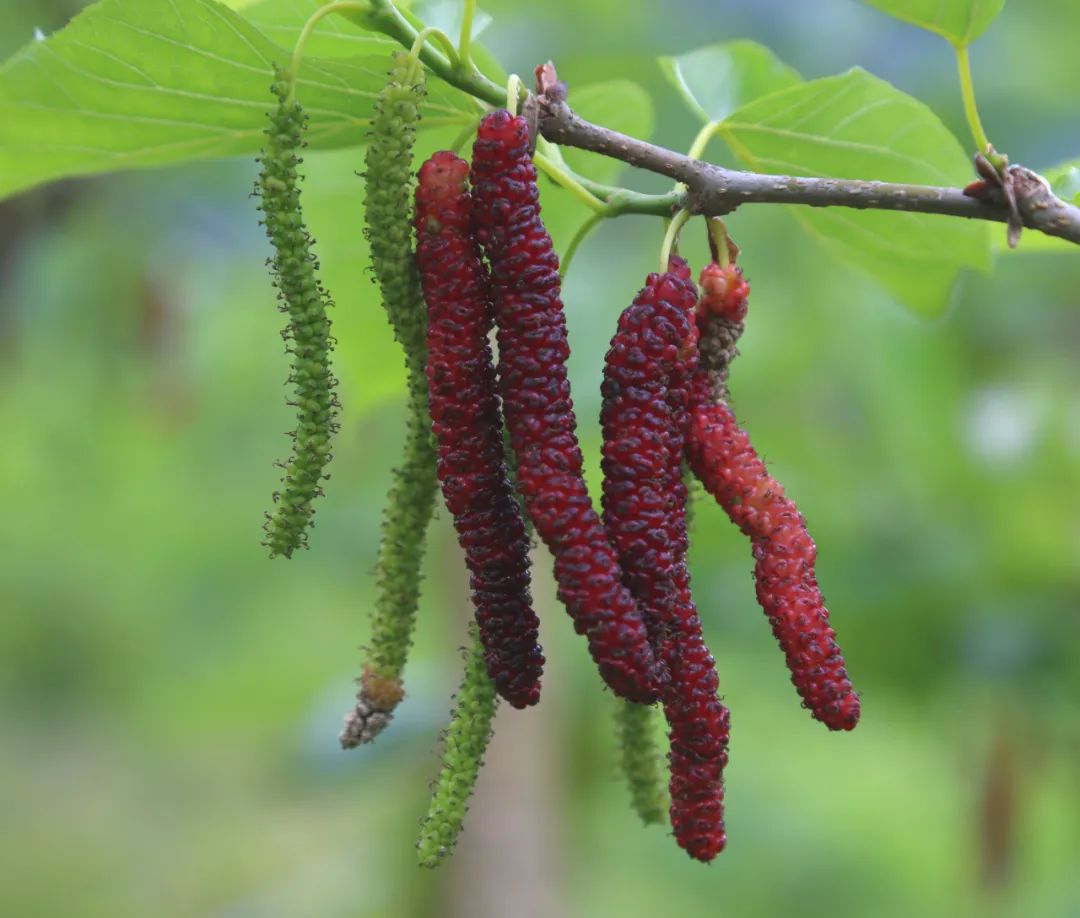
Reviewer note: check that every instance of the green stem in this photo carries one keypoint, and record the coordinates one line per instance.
(595, 195)
(671, 237)
(583, 231)
(354, 6)
(697, 148)
(465, 40)
(440, 36)
(551, 150)
(967, 91)
(385, 17)
(514, 88)
(623, 201)
(459, 70)
(562, 176)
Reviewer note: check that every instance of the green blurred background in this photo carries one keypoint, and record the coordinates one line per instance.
(170, 699)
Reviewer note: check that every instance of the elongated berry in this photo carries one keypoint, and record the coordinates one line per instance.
(411, 500)
(642, 438)
(464, 743)
(723, 458)
(699, 733)
(640, 759)
(307, 335)
(468, 427)
(700, 723)
(388, 198)
(644, 418)
(535, 391)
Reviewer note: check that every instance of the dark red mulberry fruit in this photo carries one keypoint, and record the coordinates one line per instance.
(644, 417)
(468, 428)
(643, 436)
(725, 461)
(539, 412)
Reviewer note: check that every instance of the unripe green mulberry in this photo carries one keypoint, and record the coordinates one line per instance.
(308, 333)
(411, 501)
(640, 759)
(464, 746)
(388, 208)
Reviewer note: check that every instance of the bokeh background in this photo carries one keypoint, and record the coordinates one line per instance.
(170, 699)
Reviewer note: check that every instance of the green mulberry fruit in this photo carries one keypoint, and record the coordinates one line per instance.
(411, 501)
(307, 335)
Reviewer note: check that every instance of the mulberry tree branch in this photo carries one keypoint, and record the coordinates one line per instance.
(714, 190)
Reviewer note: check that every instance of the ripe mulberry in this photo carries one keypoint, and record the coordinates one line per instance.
(644, 418)
(539, 412)
(725, 461)
(468, 427)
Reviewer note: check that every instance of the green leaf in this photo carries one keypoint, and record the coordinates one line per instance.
(621, 105)
(334, 36)
(340, 35)
(141, 83)
(1065, 180)
(857, 126)
(718, 79)
(958, 21)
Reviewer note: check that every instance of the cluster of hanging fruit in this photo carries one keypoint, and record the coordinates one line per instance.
(466, 254)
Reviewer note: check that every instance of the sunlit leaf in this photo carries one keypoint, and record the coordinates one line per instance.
(718, 79)
(858, 126)
(959, 21)
(341, 35)
(334, 36)
(139, 83)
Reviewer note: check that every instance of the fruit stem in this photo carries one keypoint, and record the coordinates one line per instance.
(562, 176)
(583, 231)
(671, 237)
(441, 37)
(465, 39)
(355, 6)
(967, 92)
(514, 89)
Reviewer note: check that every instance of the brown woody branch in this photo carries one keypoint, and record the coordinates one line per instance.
(713, 190)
